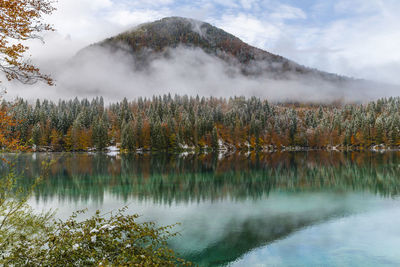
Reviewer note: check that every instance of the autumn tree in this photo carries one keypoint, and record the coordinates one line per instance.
(55, 140)
(21, 20)
(165, 124)
(9, 140)
(31, 239)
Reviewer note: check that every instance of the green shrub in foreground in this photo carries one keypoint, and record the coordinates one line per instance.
(114, 239)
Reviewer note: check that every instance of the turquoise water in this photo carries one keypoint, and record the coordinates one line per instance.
(279, 209)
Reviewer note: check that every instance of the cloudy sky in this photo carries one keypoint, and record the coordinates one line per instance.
(351, 37)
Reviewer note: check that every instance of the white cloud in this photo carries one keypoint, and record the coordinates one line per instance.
(227, 3)
(128, 18)
(249, 29)
(356, 38)
(360, 43)
(185, 71)
(356, 6)
(288, 12)
(247, 4)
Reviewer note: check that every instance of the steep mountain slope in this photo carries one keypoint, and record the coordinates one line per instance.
(152, 40)
(186, 56)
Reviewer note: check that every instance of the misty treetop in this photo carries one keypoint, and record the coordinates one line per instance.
(166, 123)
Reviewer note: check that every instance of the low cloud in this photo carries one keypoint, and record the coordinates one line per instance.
(354, 38)
(115, 75)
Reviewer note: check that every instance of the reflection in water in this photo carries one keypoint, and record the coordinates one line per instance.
(195, 178)
(244, 231)
(227, 206)
(369, 239)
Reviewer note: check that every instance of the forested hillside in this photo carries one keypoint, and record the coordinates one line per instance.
(179, 123)
(149, 40)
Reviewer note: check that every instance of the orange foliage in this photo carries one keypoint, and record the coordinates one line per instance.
(21, 20)
(146, 135)
(9, 140)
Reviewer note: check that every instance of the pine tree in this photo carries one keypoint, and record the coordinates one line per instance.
(36, 134)
(127, 137)
(100, 134)
(164, 122)
(214, 139)
(156, 136)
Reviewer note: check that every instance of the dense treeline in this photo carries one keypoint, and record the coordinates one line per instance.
(167, 123)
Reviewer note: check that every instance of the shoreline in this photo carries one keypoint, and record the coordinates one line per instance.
(231, 150)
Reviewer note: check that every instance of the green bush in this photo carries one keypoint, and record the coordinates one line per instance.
(113, 239)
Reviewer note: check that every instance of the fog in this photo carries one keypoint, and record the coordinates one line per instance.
(354, 38)
(114, 75)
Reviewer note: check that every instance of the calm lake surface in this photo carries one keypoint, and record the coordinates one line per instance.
(278, 209)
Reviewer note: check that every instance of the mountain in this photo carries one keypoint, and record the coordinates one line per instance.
(186, 56)
(152, 40)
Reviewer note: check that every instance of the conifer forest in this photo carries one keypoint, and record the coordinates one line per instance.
(181, 123)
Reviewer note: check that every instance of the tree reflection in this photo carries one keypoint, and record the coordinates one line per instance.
(168, 178)
(255, 213)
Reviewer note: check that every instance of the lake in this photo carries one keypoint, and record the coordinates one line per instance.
(276, 209)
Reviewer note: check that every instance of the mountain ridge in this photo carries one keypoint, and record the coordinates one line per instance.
(154, 39)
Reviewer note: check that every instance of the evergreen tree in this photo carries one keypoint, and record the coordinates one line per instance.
(100, 134)
(36, 136)
(127, 137)
(214, 139)
(162, 123)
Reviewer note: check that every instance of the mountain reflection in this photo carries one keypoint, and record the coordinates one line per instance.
(168, 178)
(242, 236)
